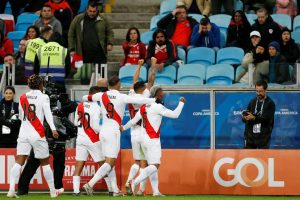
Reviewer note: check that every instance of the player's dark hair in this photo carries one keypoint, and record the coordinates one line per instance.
(10, 88)
(262, 83)
(138, 85)
(94, 90)
(113, 81)
(35, 81)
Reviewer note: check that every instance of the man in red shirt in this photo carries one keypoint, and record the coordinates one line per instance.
(6, 47)
(178, 26)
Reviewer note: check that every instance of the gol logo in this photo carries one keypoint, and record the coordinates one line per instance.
(265, 173)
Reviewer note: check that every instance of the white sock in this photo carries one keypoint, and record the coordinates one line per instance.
(76, 184)
(108, 184)
(154, 182)
(113, 180)
(133, 171)
(48, 174)
(144, 182)
(145, 174)
(101, 172)
(14, 175)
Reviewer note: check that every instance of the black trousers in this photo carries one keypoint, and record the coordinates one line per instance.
(33, 164)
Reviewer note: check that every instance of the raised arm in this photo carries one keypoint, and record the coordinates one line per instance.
(137, 72)
(129, 99)
(95, 97)
(174, 113)
(133, 121)
(152, 73)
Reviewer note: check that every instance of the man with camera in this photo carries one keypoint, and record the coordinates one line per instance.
(259, 119)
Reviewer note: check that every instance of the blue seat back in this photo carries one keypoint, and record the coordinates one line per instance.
(191, 74)
(8, 8)
(146, 37)
(167, 6)
(230, 55)
(181, 54)
(296, 23)
(239, 5)
(83, 6)
(166, 77)
(221, 20)
(220, 74)
(127, 72)
(201, 55)
(223, 39)
(283, 19)
(25, 20)
(240, 69)
(197, 17)
(251, 18)
(296, 36)
(16, 37)
(153, 22)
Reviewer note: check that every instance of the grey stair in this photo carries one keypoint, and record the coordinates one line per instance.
(115, 56)
(129, 16)
(112, 69)
(138, 2)
(129, 24)
(121, 33)
(131, 8)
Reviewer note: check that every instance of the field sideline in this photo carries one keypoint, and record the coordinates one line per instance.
(187, 197)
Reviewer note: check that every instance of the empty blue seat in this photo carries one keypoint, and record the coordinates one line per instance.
(25, 20)
(146, 37)
(296, 23)
(230, 55)
(239, 5)
(127, 72)
(167, 6)
(251, 18)
(296, 36)
(8, 8)
(166, 77)
(181, 54)
(221, 20)
(197, 17)
(83, 6)
(283, 20)
(16, 37)
(153, 22)
(191, 74)
(220, 74)
(201, 55)
(223, 39)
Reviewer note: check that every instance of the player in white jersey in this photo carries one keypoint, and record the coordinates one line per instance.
(33, 107)
(113, 105)
(151, 115)
(138, 89)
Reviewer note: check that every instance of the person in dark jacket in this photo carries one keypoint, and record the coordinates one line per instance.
(162, 49)
(289, 49)
(10, 124)
(278, 68)
(178, 26)
(238, 31)
(259, 119)
(268, 28)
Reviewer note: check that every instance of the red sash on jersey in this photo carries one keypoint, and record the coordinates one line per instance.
(94, 137)
(111, 113)
(132, 113)
(36, 123)
(149, 129)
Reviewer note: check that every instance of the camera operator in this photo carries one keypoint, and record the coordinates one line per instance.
(259, 119)
(10, 124)
(66, 130)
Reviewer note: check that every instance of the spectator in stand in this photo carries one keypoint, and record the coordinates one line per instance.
(32, 32)
(286, 7)
(206, 34)
(269, 30)
(202, 7)
(228, 6)
(16, 6)
(20, 64)
(254, 5)
(178, 26)
(289, 49)
(133, 48)
(6, 47)
(63, 12)
(163, 49)
(35, 6)
(10, 124)
(278, 68)
(238, 31)
(90, 36)
(47, 18)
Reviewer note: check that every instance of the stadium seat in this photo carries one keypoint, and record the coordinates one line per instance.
(221, 20)
(283, 20)
(197, 17)
(191, 74)
(201, 55)
(166, 77)
(126, 74)
(251, 18)
(238, 71)
(8, 8)
(146, 37)
(296, 36)
(238, 4)
(230, 55)
(153, 22)
(223, 39)
(25, 20)
(16, 37)
(181, 54)
(167, 6)
(296, 23)
(220, 74)
(83, 5)
(9, 22)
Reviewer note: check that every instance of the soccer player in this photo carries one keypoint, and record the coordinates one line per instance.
(151, 115)
(33, 107)
(138, 89)
(112, 107)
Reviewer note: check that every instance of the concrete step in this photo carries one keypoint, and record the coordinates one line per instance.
(129, 16)
(115, 57)
(129, 24)
(137, 2)
(116, 49)
(121, 33)
(134, 8)
(118, 41)
(112, 69)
